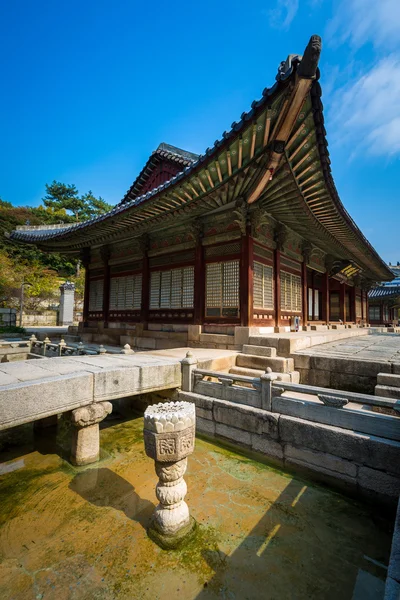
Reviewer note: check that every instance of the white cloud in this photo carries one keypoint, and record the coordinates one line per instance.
(363, 21)
(283, 14)
(364, 113)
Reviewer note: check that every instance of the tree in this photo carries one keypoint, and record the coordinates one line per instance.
(95, 206)
(62, 199)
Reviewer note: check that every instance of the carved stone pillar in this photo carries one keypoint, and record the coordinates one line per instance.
(169, 436)
(85, 447)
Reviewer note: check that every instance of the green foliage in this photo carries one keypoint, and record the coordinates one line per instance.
(63, 199)
(12, 329)
(26, 263)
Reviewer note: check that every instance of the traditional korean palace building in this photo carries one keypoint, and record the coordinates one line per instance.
(384, 300)
(251, 233)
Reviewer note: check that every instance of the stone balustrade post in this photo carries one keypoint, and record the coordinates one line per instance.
(102, 350)
(188, 365)
(32, 341)
(127, 350)
(61, 345)
(45, 342)
(266, 389)
(169, 436)
(85, 447)
(227, 382)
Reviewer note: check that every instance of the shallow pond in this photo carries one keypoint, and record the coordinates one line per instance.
(77, 533)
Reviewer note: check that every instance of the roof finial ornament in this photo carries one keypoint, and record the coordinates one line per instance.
(309, 63)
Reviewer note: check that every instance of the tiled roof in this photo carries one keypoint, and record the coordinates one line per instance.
(385, 291)
(285, 70)
(180, 157)
(330, 221)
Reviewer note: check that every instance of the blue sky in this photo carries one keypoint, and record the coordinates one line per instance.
(90, 88)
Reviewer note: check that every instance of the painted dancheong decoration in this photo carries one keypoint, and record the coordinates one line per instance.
(169, 437)
(250, 233)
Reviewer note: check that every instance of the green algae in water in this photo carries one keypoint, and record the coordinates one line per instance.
(18, 487)
(122, 437)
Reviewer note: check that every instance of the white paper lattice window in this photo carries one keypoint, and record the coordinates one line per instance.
(291, 289)
(165, 290)
(126, 292)
(188, 287)
(155, 289)
(263, 286)
(222, 289)
(96, 295)
(358, 307)
(172, 289)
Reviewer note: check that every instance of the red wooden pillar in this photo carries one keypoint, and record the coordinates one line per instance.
(105, 255)
(313, 295)
(362, 304)
(353, 304)
(304, 298)
(325, 297)
(246, 280)
(342, 302)
(85, 258)
(144, 312)
(381, 312)
(277, 297)
(199, 284)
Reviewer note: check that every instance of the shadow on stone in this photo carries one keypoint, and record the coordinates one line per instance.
(103, 487)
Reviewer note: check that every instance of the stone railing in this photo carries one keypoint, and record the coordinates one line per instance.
(338, 437)
(333, 407)
(47, 347)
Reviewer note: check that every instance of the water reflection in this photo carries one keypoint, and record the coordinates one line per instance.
(10, 467)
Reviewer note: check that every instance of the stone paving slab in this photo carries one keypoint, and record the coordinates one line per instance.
(379, 346)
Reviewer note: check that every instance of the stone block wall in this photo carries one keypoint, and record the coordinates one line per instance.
(359, 464)
(340, 373)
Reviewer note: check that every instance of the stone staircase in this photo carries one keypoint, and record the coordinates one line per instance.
(255, 359)
(388, 385)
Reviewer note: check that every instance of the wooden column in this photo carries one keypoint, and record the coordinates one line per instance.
(277, 296)
(342, 302)
(199, 284)
(144, 312)
(362, 304)
(381, 312)
(85, 258)
(325, 297)
(246, 279)
(105, 255)
(304, 299)
(313, 295)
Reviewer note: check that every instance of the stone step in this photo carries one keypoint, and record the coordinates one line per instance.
(166, 335)
(278, 364)
(259, 350)
(387, 391)
(388, 379)
(293, 377)
(217, 338)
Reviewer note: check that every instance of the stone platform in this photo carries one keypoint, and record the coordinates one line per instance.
(350, 364)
